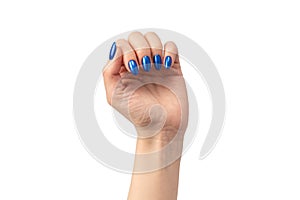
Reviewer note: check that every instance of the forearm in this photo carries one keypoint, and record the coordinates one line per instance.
(161, 156)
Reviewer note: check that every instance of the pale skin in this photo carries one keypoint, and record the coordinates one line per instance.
(154, 177)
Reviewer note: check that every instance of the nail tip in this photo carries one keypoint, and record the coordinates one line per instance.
(168, 62)
(133, 67)
(157, 62)
(146, 63)
(157, 66)
(112, 51)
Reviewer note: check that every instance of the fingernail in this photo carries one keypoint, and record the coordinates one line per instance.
(157, 61)
(146, 63)
(168, 62)
(133, 67)
(112, 51)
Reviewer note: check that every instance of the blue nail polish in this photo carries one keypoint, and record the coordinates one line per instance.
(168, 62)
(133, 67)
(146, 63)
(157, 62)
(112, 51)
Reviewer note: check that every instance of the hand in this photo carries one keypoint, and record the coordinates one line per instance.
(146, 85)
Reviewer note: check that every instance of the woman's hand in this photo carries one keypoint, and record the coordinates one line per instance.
(144, 82)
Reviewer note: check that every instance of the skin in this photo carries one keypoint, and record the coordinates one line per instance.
(160, 114)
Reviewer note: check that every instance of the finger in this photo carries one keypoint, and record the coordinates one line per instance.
(142, 49)
(111, 72)
(112, 67)
(156, 48)
(171, 55)
(129, 57)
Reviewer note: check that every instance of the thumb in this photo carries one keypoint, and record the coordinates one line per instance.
(111, 71)
(114, 64)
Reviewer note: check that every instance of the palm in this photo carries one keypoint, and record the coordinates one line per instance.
(152, 98)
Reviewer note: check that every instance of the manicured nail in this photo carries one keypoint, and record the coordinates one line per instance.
(133, 67)
(112, 51)
(157, 62)
(168, 62)
(146, 63)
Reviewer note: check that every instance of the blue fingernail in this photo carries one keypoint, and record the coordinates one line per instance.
(133, 67)
(168, 62)
(112, 51)
(157, 62)
(146, 63)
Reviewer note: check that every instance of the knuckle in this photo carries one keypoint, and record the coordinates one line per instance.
(171, 44)
(171, 47)
(134, 34)
(151, 33)
(121, 41)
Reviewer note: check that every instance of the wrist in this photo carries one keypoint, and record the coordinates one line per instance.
(168, 135)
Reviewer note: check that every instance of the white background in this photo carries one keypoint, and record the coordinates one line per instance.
(254, 44)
